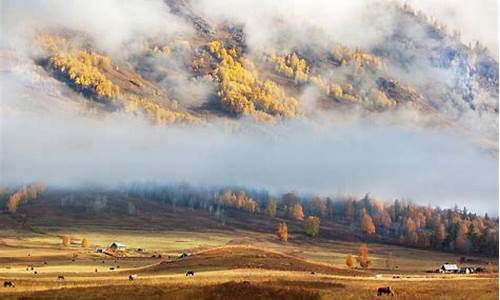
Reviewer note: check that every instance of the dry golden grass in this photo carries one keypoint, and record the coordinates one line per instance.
(249, 257)
(251, 284)
(222, 261)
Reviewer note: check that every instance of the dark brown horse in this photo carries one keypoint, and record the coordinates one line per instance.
(385, 290)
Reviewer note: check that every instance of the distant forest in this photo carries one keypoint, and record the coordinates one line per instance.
(371, 219)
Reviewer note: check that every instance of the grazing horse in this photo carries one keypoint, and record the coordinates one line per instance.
(385, 290)
(8, 284)
(60, 277)
(189, 273)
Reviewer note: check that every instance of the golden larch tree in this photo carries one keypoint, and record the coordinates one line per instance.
(362, 258)
(282, 232)
(85, 243)
(367, 225)
(297, 212)
(440, 233)
(65, 240)
(349, 261)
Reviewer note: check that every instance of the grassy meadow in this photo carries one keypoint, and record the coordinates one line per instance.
(228, 264)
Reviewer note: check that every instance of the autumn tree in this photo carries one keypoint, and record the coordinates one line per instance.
(23, 195)
(83, 70)
(411, 231)
(367, 225)
(240, 199)
(311, 226)
(288, 201)
(297, 213)
(349, 261)
(65, 240)
(440, 234)
(271, 207)
(85, 243)
(241, 90)
(362, 258)
(282, 232)
(462, 243)
(13, 202)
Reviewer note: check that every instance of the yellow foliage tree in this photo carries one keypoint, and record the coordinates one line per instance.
(367, 225)
(23, 195)
(349, 261)
(282, 232)
(240, 201)
(66, 240)
(362, 258)
(242, 92)
(87, 70)
(82, 69)
(296, 212)
(85, 243)
(291, 66)
(156, 112)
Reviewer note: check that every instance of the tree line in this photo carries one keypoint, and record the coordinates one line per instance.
(367, 218)
(401, 222)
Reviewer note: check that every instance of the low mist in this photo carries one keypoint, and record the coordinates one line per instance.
(432, 166)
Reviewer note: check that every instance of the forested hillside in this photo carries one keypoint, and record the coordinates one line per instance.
(346, 217)
(211, 71)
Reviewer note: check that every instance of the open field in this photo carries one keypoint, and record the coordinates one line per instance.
(228, 264)
(246, 284)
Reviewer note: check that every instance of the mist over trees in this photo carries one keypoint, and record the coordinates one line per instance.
(23, 195)
(366, 218)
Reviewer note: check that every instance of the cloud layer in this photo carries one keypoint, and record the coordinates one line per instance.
(431, 166)
(111, 23)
